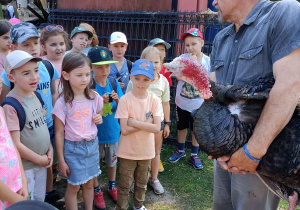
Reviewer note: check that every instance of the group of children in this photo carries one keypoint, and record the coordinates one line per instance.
(68, 107)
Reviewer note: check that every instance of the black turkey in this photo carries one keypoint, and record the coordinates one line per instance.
(225, 122)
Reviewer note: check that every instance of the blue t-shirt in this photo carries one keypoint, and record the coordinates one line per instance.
(109, 130)
(43, 88)
(123, 73)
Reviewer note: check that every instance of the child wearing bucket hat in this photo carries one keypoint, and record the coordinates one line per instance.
(109, 130)
(79, 38)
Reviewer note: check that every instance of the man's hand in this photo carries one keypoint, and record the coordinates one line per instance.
(98, 119)
(223, 161)
(239, 161)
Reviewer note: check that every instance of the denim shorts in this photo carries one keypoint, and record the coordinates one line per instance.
(82, 157)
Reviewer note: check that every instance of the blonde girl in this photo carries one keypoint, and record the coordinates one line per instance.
(93, 41)
(159, 87)
(77, 112)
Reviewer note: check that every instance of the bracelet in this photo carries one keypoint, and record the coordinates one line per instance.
(248, 154)
(167, 123)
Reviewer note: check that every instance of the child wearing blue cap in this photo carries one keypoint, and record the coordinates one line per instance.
(139, 115)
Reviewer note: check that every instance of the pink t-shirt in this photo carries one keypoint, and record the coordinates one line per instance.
(138, 145)
(10, 173)
(77, 118)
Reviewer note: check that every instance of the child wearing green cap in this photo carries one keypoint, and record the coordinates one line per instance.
(109, 131)
(79, 38)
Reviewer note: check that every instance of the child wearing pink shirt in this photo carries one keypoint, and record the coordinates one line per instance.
(139, 114)
(77, 112)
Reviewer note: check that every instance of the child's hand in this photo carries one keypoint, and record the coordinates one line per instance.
(105, 98)
(166, 131)
(150, 119)
(43, 161)
(63, 169)
(121, 84)
(24, 192)
(115, 96)
(131, 122)
(50, 158)
(98, 119)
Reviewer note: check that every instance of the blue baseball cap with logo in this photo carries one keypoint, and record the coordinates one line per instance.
(143, 67)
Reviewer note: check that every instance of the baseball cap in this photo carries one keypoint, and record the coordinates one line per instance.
(144, 67)
(80, 30)
(100, 56)
(156, 41)
(21, 32)
(16, 59)
(116, 37)
(192, 31)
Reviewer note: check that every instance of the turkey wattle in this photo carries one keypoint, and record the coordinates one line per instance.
(225, 122)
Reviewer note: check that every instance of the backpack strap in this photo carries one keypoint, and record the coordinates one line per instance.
(93, 86)
(129, 65)
(19, 109)
(38, 95)
(49, 67)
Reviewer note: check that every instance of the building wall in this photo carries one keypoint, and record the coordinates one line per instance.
(122, 5)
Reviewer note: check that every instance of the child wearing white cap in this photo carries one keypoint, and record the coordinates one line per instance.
(120, 71)
(26, 120)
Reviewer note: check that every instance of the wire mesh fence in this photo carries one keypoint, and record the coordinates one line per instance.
(140, 27)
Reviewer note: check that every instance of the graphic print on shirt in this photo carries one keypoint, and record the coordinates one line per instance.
(43, 88)
(107, 109)
(189, 91)
(39, 118)
(80, 115)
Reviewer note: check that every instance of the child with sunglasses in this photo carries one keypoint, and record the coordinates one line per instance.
(54, 42)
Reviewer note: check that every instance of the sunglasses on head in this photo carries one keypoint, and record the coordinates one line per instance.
(50, 28)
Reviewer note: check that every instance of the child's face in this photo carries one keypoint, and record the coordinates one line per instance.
(26, 77)
(162, 49)
(193, 45)
(5, 41)
(140, 83)
(78, 78)
(80, 41)
(55, 47)
(118, 49)
(101, 71)
(155, 60)
(31, 46)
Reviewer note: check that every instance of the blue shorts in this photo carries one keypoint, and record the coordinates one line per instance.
(83, 160)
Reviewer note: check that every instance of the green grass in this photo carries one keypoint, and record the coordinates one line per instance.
(186, 187)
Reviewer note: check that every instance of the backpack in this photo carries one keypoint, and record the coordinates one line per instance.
(19, 108)
(129, 65)
(112, 81)
(49, 68)
(6, 13)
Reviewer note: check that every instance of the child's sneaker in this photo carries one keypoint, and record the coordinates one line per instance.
(99, 201)
(142, 208)
(161, 167)
(157, 187)
(113, 193)
(196, 162)
(176, 156)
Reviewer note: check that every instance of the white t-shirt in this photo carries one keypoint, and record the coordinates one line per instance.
(187, 97)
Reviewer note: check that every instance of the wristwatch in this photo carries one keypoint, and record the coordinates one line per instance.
(167, 123)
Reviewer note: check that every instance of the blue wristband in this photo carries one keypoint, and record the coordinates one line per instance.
(248, 154)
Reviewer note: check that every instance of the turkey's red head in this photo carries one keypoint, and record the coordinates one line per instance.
(192, 72)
